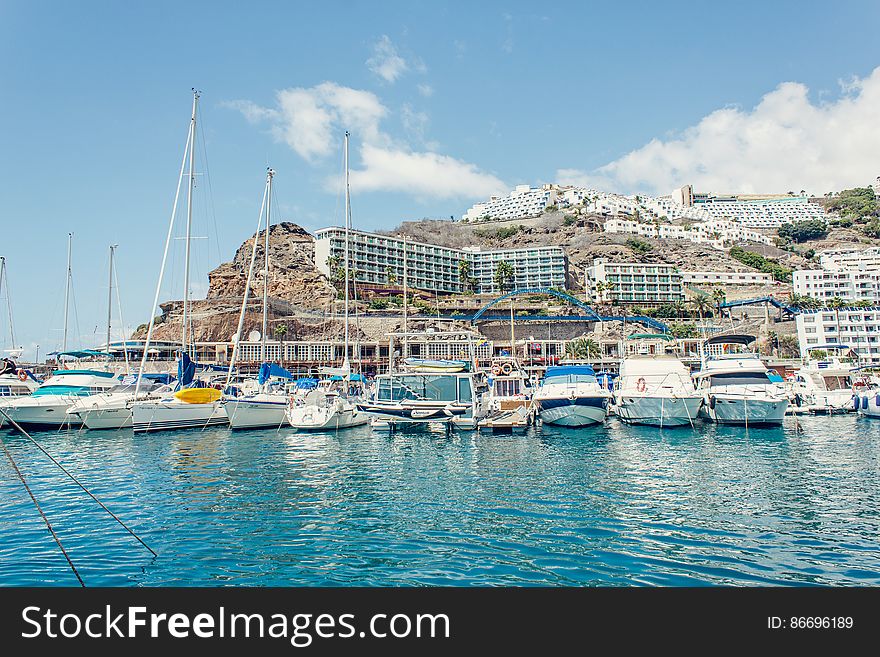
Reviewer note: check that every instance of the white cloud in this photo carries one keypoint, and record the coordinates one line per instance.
(426, 90)
(386, 62)
(507, 44)
(424, 175)
(308, 119)
(784, 143)
(311, 121)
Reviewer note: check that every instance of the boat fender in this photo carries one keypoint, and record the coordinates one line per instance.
(641, 385)
(797, 400)
(856, 400)
(876, 401)
(506, 368)
(22, 375)
(711, 402)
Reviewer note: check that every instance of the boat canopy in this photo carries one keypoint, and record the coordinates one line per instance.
(353, 377)
(268, 370)
(733, 338)
(105, 375)
(84, 353)
(306, 383)
(826, 347)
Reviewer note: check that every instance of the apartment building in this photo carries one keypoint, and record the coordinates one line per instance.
(726, 278)
(766, 211)
(378, 260)
(633, 283)
(716, 233)
(523, 201)
(858, 328)
(850, 259)
(824, 284)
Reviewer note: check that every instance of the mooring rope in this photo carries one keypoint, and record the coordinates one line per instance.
(75, 480)
(39, 508)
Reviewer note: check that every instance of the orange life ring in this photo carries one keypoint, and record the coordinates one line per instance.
(22, 375)
(496, 370)
(641, 384)
(506, 368)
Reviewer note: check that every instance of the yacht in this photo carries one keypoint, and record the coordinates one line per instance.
(736, 385)
(414, 397)
(509, 398)
(264, 407)
(570, 396)
(46, 407)
(824, 384)
(112, 409)
(656, 389)
(329, 407)
(15, 381)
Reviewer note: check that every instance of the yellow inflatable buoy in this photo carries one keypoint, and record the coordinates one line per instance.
(198, 395)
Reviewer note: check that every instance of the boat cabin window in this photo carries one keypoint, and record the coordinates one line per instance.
(837, 382)
(741, 379)
(507, 387)
(428, 387)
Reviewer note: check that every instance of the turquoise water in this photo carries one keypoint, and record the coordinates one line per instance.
(611, 505)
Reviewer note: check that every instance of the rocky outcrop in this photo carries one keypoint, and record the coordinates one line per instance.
(293, 277)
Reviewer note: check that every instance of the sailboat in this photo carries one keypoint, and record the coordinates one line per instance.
(192, 405)
(267, 406)
(46, 407)
(334, 409)
(14, 381)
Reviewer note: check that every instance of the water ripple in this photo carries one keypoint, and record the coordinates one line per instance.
(611, 505)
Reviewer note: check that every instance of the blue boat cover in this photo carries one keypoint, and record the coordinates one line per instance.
(569, 370)
(186, 371)
(306, 383)
(268, 370)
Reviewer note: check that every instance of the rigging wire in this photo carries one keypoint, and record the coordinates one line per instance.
(121, 321)
(74, 479)
(39, 508)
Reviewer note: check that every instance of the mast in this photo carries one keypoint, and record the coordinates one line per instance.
(405, 294)
(269, 175)
(110, 296)
(67, 291)
(345, 362)
(5, 275)
(189, 204)
(168, 239)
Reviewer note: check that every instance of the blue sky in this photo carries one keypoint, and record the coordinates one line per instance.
(447, 102)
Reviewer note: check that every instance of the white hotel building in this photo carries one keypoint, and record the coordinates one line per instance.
(850, 260)
(858, 328)
(523, 201)
(635, 283)
(726, 278)
(377, 260)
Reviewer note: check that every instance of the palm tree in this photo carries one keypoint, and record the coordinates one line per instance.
(390, 275)
(464, 275)
(702, 305)
(504, 276)
(280, 332)
(719, 296)
(836, 304)
(582, 348)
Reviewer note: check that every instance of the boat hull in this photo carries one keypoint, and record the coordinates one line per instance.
(658, 411)
(171, 415)
(747, 412)
(576, 412)
(254, 414)
(868, 404)
(316, 418)
(48, 414)
(106, 418)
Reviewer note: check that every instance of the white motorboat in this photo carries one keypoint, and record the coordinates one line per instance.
(509, 398)
(112, 409)
(736, 385)
(570, 396)
(656, 390)
(326, 411)
(824, 384)
(455, 398)
(46, 407)
(15, 381)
